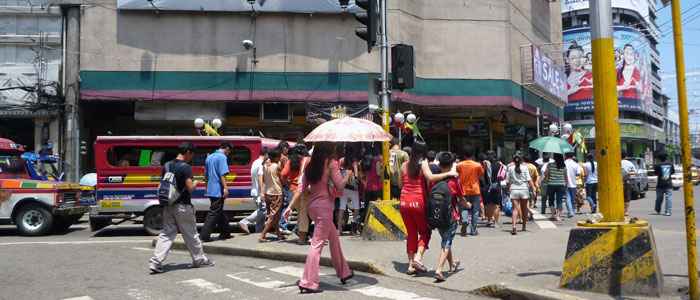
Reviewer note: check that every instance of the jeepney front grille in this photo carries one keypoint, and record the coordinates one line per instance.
(69, 197)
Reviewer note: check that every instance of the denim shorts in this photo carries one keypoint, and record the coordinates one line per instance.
(448, 234)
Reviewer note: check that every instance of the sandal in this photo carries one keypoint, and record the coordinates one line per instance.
(452, 270)
(263, 240)
(439, 278)
(411, 272)
(420, 268)
(514, 231)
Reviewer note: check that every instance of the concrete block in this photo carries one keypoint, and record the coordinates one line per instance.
(384, 222)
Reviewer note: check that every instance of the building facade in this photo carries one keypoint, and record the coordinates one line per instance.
(151, 68)
(640, 99)
(673, 135)
(30, 60)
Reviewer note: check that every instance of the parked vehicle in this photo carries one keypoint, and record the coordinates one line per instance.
(34, 206)
(128, 192)
(694, 174)
(42, 164)
(678, 177)
(641, 180)
(652, 179)
(677, 180)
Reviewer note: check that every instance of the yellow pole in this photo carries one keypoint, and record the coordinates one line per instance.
(386, 183)
(607, 140)
(685, 151)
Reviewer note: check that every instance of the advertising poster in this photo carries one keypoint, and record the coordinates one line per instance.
(547, 75)
(632, 70)
(640, 6)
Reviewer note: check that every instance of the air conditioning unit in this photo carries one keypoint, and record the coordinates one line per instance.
(275, 113)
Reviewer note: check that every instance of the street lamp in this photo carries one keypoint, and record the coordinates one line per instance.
(198, 122)
(568, 128)
(411, 118)
(553, 129)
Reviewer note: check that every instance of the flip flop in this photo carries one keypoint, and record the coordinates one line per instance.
(439, 277)
(411, 273)
(456, 266)
(419, 267)
(263, 240)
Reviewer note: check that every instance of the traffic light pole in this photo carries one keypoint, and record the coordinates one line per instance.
(386, 105)
(685, 152)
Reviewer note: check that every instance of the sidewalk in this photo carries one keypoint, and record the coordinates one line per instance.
(495, 262)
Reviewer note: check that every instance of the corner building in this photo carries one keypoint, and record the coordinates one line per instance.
(641, 103)
(152, 69)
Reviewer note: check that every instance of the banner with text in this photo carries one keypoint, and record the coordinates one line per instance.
(632, 69)
(320, 113)
(547, 75)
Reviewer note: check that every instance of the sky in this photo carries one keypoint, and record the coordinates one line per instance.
(690, 16)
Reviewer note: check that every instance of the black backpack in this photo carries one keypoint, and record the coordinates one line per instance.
(439, 206)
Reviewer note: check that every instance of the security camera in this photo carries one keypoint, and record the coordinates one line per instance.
(248, 44)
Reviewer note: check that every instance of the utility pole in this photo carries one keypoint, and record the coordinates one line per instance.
(685, 152)
(386, 105)
(71, 85)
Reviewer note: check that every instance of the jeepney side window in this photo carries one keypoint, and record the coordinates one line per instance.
(134, 156)
(239, 156)
(12, 164)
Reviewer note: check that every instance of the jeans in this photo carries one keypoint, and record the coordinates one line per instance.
(285, 203)
(592, 194)
(668, 192)
(543, 189)
(258, 217)
(555, 194)
(570, 198)
(448, 234)
(475, 210)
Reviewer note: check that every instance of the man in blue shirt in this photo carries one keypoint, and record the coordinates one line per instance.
(215, 171)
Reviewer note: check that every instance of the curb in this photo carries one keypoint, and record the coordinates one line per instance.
(275, 254)
(502, 291)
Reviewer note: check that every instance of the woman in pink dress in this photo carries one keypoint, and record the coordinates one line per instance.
(322, 170)
(628, 78)
(412, 181)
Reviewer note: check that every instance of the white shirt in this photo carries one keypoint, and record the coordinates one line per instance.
(572, 169)
(255, 170)
(627, 168)
(543, 171)
(592, 176)
(518, 181)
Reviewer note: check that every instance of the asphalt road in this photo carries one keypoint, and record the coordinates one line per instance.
(113, 264)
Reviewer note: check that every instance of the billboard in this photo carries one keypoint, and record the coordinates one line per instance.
(298, 6)
(547, 75)
(640, 6)
(632, 69)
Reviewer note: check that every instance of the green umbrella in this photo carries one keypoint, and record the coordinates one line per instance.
(551, 144)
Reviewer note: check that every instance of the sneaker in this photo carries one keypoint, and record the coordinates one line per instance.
(285, 232)
(475, 233)
(208, 263)
(668, 214)
(156, 270)
(463, 230)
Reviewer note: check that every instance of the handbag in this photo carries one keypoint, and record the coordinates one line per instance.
(331, 187)
(301, 174)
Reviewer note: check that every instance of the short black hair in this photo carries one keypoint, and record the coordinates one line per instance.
(467, 151)
(623, 153)
(446, 159)
(225, 144)
(545, 157)
(527, 158)
(394, 141)
(430, 156)
(569, 155)
(275, 153)
(283, 144)
(264, 151)
(662, 156)
(186, 147)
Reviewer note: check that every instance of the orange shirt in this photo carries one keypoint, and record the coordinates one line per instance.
(292, 175)
(469, 172)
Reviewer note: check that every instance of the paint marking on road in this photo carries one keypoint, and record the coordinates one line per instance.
(353, 285)
(542, 221)
(139, 294)
(74, 242)
(207, 286)
(270, 284)
(79, 298)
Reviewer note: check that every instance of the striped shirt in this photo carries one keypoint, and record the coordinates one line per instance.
(556, 176)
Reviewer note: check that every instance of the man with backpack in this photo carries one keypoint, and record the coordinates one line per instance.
(469, 174)
(215, 171)
(178, 212)
(443, 200)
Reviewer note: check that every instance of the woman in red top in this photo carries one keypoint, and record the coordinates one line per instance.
(579, 80)
(322, 170)
(628, 78)
(412, 177)
(298, 160)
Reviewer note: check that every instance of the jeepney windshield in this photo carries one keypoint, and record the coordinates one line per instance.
(12, 166)
(45, 168)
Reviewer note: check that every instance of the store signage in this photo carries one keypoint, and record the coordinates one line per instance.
(639, 6)
(547, 75)
(632, 70)
(297, 6)
(627, 130)
(320, 113)
(478, 129)
(514, 132)
(435, 126)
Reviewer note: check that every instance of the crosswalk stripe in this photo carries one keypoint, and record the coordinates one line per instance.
(353, 285)
(542, 221)
(79, 298)
(207, 286)
(271, 284)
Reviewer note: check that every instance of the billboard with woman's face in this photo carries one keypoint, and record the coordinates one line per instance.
(632, 70)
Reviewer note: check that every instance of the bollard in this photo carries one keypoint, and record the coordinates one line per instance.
(383, 222)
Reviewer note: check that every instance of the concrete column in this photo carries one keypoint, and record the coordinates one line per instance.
(71, 86)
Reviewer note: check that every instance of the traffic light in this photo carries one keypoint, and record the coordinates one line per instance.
(368, 18)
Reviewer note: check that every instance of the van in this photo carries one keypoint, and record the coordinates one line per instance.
(129, 170)
(641, 180)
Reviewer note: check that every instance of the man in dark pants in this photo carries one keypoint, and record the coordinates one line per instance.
(215, 171)
(287, 194)
(664, 185)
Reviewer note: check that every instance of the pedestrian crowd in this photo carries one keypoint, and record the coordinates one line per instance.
(332, 181)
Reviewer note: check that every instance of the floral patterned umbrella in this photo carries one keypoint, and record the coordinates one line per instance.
(348, 129)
